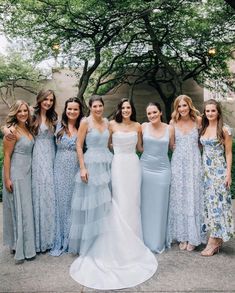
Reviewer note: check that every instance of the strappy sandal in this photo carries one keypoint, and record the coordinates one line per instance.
(211, 250)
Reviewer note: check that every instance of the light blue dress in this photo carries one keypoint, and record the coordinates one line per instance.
(18, 227)
(91, 201)
(43, 188)
(156, 176)
(218, 219)
(186, 194)
(65, 168)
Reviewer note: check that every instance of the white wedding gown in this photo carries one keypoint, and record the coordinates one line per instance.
(126, 179)
(118, 258)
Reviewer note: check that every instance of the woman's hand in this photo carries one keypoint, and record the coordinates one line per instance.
(84, 175)
(9, 134)
(9, 185)
(228, 181)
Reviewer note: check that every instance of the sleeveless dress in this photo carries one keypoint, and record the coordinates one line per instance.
(186, 193)
(218, 204)
(126, 178)
(18, 227)
(43, 188)
(156, 176)
(65, 168)
(111, 256)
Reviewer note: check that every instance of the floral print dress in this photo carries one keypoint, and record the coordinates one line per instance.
(217, 198)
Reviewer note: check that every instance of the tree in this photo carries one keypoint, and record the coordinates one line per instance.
(160, 42)
(15, 72)
(231, 3)
(182, 40)
(82, 27)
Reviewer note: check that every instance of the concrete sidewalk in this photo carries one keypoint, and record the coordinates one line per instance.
(178, 271)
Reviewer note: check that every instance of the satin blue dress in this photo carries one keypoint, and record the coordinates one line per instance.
(65, 168)
(43, 188)
(18, 227)
(156, 176)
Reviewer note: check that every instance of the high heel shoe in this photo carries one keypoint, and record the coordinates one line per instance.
(211, 250)
(183, 245)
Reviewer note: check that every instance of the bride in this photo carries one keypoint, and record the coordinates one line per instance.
(112, 254)
(126, 174)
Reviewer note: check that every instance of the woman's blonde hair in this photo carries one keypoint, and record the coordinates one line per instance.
(193, 112)
(11, 119)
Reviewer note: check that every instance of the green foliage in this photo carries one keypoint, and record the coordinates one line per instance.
(16, 72)
(1, 162)
(163, 43)
(13, 67)
(233, 172)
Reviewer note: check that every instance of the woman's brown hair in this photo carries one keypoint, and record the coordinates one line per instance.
(51, 114)
(205, 122)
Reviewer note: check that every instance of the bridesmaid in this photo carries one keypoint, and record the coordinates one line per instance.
(185, 209)
(156, 176)
(44, 122)
(65, 168)
(18, 228)
(92, 196)
(126, 174)
(217, 162)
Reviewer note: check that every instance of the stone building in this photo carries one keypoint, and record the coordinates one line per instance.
(64, 82)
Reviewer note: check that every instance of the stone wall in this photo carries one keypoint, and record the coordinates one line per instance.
(64, 83)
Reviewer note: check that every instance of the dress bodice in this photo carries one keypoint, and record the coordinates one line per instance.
(24, 146)
(124, 142)
(21, 157)
(154, 146)
(44, 132)
(155, 153)
(65, 143)
(186, 144)
(96, 138)
(213, 151)
(184, 140)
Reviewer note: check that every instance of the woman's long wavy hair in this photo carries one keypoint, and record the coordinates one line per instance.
(11, 119)
(51, 114)
(118, 113)
(64, 118)
(205, 122)
(193, 112)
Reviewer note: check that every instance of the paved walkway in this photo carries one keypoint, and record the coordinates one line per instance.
(179, 271)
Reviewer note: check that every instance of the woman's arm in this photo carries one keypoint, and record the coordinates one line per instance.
(82, 131)
(228, 155)
(139, 145)
(8, 148)
(199, 122)
(171, 137)
(9, 134)
(110, 143)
